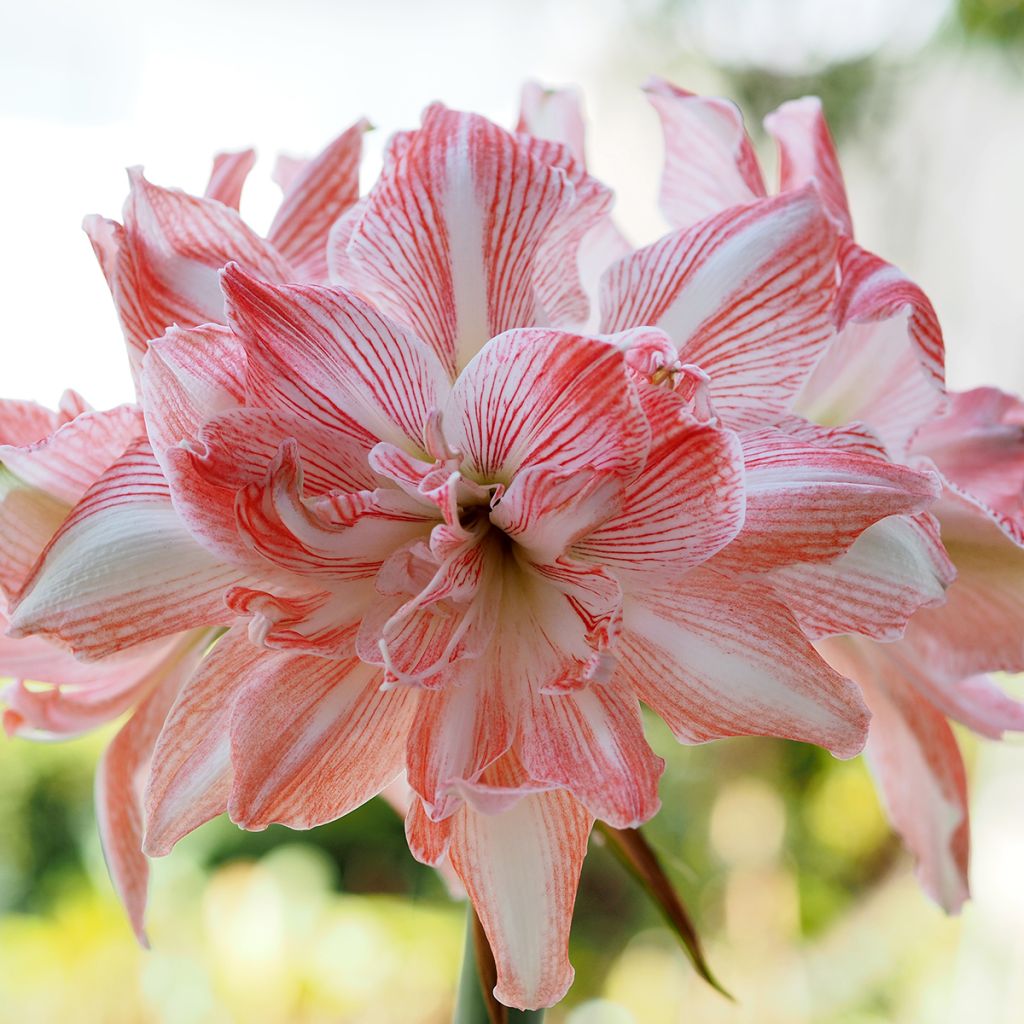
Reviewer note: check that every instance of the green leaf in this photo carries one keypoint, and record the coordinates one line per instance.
(633, 851)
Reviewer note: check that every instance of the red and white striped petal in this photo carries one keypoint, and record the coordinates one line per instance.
(917, 763)
(227, 177)
(460, 729)
(978, 702)
(555, 115)
(573, 610)
(546, 510)
(885, 365)
(122, 569)
(521, 869)
(237, 448)
(29, 517)
(978, 445)
(807, 154)
(710, 163)
(190, 775)
(745, 294)
(452, 230)
(535, 396)
(344, 537)
(894, 568)
(162, 266)
(121, 774)
(809, 504)
(65, 464)
(978, 629)
(449, 617)
(115, 253)
(312, 739)
(315, 196)
(188, 377)
(83, 695)
(715, 657)
(330, 356)
(685, 506)
(561, 290)
(23, 422)
(310, 621)
(591, 742)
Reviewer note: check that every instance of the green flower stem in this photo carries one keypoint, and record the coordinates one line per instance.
(475, 1003)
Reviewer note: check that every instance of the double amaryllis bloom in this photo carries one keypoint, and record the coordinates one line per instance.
(398, 500)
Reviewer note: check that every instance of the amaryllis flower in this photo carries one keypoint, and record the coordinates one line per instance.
(161, 264)
(50, 464)
(883, 369)
(460, 540)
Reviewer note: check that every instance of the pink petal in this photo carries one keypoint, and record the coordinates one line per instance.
(188, 377)
(141, 314)
(429, 841)
(122, 569)
(978, 629)
(547, 510)
(343, 539)
(573, 611)
(915, 758)
(978, 702)
(321, 622)
(24, 423)
(84, 695)
(885, 366)
(237, 448)
(228, 176)
(978, 445)
(120, 777)
(553, 114)
(461, 729)
(190, 777)
(452, 230)
(809, 504)
(161, 267)
(557, 279)
(342, 269)
(332, 357)
(38, 660)
(312, 739)
(315, 196)
(287, 170)
(745, 294)
(894, 568)
(194, 384)
(710, 164)
(67, 462)
(715, 657)
(521, 869)
(807, 154)
(29, 517)
(534, 396)
(591, 742)
(449, 616)
(686, 505)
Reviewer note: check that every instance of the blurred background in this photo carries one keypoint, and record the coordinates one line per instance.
(809, 907)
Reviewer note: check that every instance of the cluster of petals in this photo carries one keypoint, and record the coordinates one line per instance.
(444, 482)
(883, 370)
